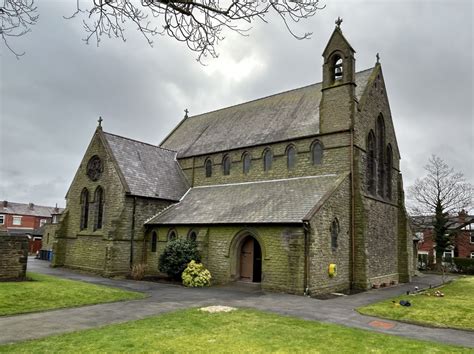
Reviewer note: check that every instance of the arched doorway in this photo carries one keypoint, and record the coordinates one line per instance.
(250, 260)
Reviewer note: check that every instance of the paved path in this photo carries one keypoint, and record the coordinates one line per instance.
(166, 297)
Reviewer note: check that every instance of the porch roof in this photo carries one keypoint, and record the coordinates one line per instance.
(275, 201)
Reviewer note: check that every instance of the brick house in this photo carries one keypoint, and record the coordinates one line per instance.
(278, 190)
(461, 228)
(26, 219)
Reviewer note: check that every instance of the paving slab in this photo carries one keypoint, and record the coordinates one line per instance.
(169, 297)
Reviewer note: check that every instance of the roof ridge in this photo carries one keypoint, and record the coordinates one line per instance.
(266, 181)
(140, 142)
(265, 97)
(35, 205)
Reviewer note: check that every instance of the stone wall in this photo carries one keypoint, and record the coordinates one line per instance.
(335, 160)
(380, 228)
(337, 206)
(13, 257)
(282, 253)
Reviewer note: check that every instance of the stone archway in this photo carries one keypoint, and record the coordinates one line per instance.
(234, 254)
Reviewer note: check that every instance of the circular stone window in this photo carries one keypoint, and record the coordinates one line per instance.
(94, 168)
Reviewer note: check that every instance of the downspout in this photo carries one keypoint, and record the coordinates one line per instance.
(132, 238)
(306, 258)
(352, 209)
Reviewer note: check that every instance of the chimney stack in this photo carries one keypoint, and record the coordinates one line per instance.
(5, 203)
(31, 206)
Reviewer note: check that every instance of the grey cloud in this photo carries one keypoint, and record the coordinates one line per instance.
(52, 97)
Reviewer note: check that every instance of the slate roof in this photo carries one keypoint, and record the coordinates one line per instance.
(287, 115)
(26, 209)
(276, 201)
(148, 170)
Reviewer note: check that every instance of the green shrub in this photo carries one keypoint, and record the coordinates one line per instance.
(464, 265)
(196, 275)
(176, 256)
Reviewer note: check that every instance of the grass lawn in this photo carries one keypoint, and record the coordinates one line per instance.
(237, 331)
(45, 292)
(454, 310)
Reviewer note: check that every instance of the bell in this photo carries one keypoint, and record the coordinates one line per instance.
(338, 71)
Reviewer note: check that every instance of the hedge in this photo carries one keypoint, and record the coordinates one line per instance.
(464, 265)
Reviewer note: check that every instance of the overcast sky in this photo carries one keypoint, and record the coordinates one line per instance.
(52, 97)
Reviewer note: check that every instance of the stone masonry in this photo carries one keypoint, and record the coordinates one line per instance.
(13, 257)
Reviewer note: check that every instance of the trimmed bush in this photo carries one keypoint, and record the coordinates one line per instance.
(464, 265)
(176, 256)
(196, 275)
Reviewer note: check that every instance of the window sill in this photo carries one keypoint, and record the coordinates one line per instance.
(87, 232)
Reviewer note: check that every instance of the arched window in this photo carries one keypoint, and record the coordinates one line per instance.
(317, 153)
(370, 175)
(154, 239)
(246, 161)
(290, 157)
(338, 69)
(99, 206)
(267, 160)
(84, 208)
(226, 163)
(192, 235)
(380, 129)
(334, 229)
(208, 166)
(171, 235)
(388, 172)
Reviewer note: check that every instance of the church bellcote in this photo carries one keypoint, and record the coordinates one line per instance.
(338, 87)
(339, 61)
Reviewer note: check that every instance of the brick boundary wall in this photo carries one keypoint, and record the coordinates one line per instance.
(13, 257)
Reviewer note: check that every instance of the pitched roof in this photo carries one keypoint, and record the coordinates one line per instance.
(276, 201)
(287, 115)
(28, 209)
(148, 170)
(454, 222)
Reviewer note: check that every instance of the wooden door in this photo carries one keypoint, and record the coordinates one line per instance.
(246, 259)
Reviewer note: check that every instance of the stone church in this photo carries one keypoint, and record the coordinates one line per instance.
(300, 191)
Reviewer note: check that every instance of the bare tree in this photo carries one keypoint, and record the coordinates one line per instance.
(16, 19)
(441, 193)
(198, 23)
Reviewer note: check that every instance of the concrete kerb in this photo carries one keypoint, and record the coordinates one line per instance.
(168, 297)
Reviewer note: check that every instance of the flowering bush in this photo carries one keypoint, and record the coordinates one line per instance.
(196, 275)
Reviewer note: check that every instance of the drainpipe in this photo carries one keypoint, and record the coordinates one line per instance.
(306, 257)
(352, 210)
(132, 238)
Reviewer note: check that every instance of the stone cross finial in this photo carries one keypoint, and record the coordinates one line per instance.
(378, 57)
(338, 21)
(186, 111)
(100, 121)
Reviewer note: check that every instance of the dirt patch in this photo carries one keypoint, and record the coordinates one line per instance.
(214, 309)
